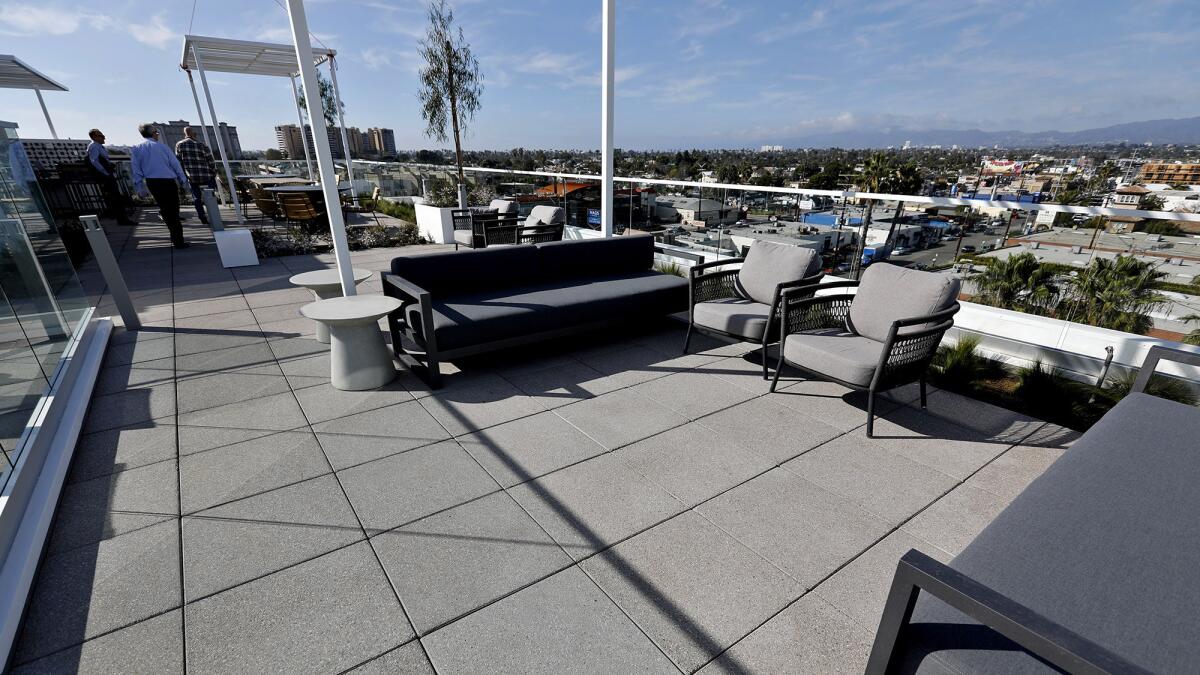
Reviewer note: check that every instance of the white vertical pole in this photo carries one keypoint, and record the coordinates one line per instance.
(300, 117)
(607, 84)
(308, 76)
(337, 96)
(49, 122)
(199, 112)
(212, 113)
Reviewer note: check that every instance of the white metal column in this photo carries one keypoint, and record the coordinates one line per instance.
(49, 122)
(308, 76)
(607, 83)
(212, 113)
(199, 112)
(337, 97)
(300, 118)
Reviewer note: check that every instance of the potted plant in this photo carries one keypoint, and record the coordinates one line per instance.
(433, 212)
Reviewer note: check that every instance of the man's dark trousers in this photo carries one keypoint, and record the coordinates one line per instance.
(166, 195)
(198, 197)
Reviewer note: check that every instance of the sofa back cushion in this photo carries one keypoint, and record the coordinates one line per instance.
(888, 293)
(464, 271)
(503, 206)
(546, 215)
(769, 264)
(581, 258)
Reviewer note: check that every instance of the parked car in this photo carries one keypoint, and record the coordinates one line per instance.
(948, 237)
(968, 249)
(901, 250)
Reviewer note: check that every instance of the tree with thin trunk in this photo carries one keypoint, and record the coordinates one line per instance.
(876, 177)
(906, 180)
(451, 84)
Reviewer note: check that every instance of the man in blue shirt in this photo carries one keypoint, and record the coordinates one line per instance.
(156, 171)
(106, 176)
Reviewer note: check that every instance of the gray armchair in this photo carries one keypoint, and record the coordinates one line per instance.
(742, 302)
(882, 337)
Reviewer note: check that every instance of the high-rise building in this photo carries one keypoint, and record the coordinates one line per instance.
(287, 136)
(355, 138)
(1170, 172)
(171, 133)
(289, 141)
(383, 141)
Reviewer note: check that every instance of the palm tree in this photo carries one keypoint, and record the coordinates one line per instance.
(906, 180)
(1192, 338)
(1116, 294)
(876, 176)
(1018, 282)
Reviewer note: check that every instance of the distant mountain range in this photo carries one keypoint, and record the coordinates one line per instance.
(1179, 131)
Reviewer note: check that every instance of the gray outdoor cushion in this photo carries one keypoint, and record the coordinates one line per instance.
(584, 258)
(486, 316)
(835, 353)
(888, 293)
(734, 315)
(503, 206)
(462, 271)
(769, 264)
(1105, 542)
(546, 214)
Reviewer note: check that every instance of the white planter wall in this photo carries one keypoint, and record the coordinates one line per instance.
(435, 224)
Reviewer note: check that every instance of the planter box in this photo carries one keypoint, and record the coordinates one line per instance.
(435, 224)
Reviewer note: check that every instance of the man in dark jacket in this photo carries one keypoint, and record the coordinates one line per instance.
(106, 175)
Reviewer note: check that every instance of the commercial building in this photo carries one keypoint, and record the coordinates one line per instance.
(1169, 173)
(382, 141)
(288, 140)
(171, 133)
(695, 212)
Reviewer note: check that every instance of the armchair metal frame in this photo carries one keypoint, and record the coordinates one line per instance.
(1045, 639)
(905, 356)
(706, 286)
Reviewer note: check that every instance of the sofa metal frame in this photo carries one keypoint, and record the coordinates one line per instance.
(705, 286)
(1045, 639)
(431, 356)
(904, 359)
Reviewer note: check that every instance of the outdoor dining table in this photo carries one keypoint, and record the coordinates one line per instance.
(273, 180)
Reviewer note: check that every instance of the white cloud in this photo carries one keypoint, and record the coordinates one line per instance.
(34, 20)
(381, 58)
(155, 33)
(815, 20)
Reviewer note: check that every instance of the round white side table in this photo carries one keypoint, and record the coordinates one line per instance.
(359, 359)
(326, 284)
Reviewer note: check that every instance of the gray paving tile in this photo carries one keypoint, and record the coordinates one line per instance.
(1052, 436)
(325, 403)
(288, 329)
(562, 384)
(151, 646)
(107, 452)
(223, 320)
(934, 442)
(485, 402)
(298, 348)
(272, 412)
(692, 394)
(591, 505)
(1009, 474)
(359, 438)
(620, 418)
(526, 448)
(954, 520)
(742, 373)
(210, 391)
(997, 424)
(769, 429)
(279, 295)
(402, 488)
(205, 307)
(806, 531)
(115, 379)
(693, 463)
(112, 505)
(137, 351)
(233, 543)
(247, 468)
(196, 341)
(132, 406)
(254, 354)
(284, 312)
(808, 637)
(98, 588)
(563, 624)
(889, 485)
(199, 439)
(831, 403)
(321, 616)
(653, 577)
(409, 659)
(860, 589)
(458, 560)
(628, 364)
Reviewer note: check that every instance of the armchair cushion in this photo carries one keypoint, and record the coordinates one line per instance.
(734, 315)
(835, 353)
(503, 206)
(546, 214)
(769, 264)
(464, 237)
(888, 293)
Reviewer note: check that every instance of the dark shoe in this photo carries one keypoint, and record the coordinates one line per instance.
(182, 244)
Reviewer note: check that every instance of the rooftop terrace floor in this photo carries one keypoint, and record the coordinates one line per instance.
(604, 505)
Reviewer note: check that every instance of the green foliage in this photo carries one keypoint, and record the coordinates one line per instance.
(959, 367)
(329, 104)
(302, 241)
(1162, 227)
(1017, 282)
(402, 210)
(444, 194)
(451, 84)
(1151, 203)
(1117, 294)
(1192, 338)
(1162, 386)
(673, 268)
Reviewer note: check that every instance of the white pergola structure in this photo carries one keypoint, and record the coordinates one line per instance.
(16, 74)
(210, 54)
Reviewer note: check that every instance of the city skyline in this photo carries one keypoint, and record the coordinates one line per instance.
(704, 73)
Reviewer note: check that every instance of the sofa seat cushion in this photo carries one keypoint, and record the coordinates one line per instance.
(1105, 543)
(464, 237)
(734, 315)
(834, 353)
(477, 318)
(889, 292)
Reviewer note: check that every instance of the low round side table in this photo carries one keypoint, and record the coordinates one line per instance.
(326, 284)
(359, 359)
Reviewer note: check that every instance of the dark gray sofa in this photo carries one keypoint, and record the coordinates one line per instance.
(1095, 567)
(464, 303)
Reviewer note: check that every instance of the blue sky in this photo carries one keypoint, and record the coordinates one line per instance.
(709, 73)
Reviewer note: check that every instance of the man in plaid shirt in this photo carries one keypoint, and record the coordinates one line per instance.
(197, 161)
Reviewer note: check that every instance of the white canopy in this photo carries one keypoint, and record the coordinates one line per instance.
(246, 57)
(16, 74)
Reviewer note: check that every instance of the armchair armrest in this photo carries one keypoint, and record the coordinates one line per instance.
(711, 286)
(906, 356)
(1042, 637)
(1156, 354)
(398, 287)
(697, 269)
